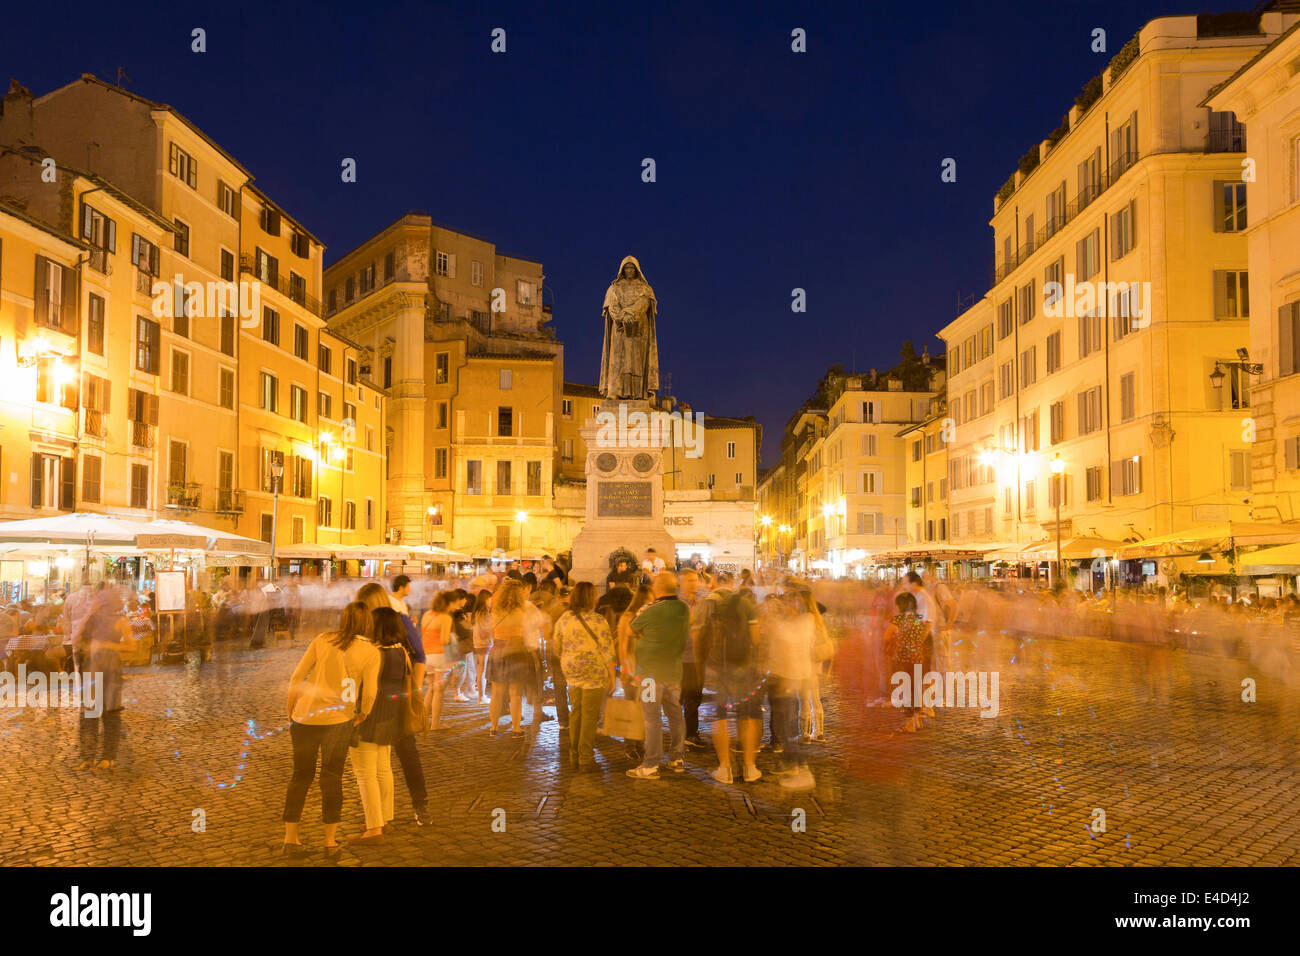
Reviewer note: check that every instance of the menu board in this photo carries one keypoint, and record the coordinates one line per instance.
(169, 591)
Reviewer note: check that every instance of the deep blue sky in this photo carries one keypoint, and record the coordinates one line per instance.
(775, 170)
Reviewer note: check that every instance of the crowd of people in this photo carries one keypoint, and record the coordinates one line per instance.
(651, 647)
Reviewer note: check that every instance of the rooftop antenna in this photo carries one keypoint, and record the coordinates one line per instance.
(121, 75)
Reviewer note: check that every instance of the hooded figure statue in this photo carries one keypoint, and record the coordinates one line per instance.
(629, 364)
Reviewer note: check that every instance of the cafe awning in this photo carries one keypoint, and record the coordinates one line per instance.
(1217, 536)
(1286, 556)
(1072, 549)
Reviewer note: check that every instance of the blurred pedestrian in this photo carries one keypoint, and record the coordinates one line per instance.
(588, 663)
(370, 753)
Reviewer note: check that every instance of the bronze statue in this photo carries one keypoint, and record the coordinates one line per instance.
(629, 364)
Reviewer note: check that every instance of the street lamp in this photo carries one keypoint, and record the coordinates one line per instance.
(1243, 363)
(434, 511)
(277, 472)
(1058, 472)
(521, 517)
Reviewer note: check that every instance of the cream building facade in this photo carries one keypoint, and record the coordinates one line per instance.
(1265, 95)
(1138, 198)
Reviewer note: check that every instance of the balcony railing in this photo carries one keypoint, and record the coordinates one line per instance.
(1049, 229)
(141, 435)
(184, 494)
(1226, 140)
(230, 501)
(143, 282)
(94, 423)
(248, 264)
(99, 261)
(1120, 164)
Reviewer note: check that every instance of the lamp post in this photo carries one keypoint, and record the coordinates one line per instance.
(1058, 472)
(521, 517)
(766, 522)
(1243, 363)
(434, 511)
(277, 472)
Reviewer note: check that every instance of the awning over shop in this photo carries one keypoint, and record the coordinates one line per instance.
(1212, 537)
(435, 553)
(1072, 549)
(1284, 556)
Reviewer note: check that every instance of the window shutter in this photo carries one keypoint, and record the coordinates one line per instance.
(1137, 477)
(87, 221)
(1291, 446)
(42, 291)
(1083, 413)
(105, 390)
(153, 409)
(37, 476)
(68, 484)
(1116, 477)
(1218, 205)
(1220, 293)
(1132, 224)
(71, 306)
(1286, 335)
(110, 236)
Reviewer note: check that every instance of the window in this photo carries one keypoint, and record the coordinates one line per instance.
(300, 342)
(100, 233)
(366, 280)
(503, 478)
(177, 453)
(1123, 231)
(869, 445)
(269, 220)
(440, 463)
(349, 412)
(1089, 334)
(325, 405)
(1291, 453)
(442, 414)
(1029, 431)
(566, 450)
(1056, 417)
(1087, 258)
(929, 492)
(181, 165)
(1231, 294)
(267, 526)
(1127, 397)
(1239, 476)
(505, 421)
(351, 371)
(370, 438)
(298, 403)
(1030, 501)
(566, 407)
(506, 381)
(144, 255)
(525, 293)
(267, 268)
(95, 325)
(270, 325)
(1054, 284)
(227, 265)
(1053, 352)
(444, 264)
(441, 364)
(181, 238)
(1007, 379)
(56, 298)
(225, 478)
(473, 477)
(324, 511)
(370, 514)
(916, 450)
(1127, 477)
(731, 449)
(226, 388)
(324, 358)
(1123, 146)
(1026, 302)
(92, 467)
(1090, 410)
(297, 289)
(1229, 206)
(1006, 320)
(390, 266)
(180, 372)
(147, 337)
(54, 482)
(503, 537)
(348, 289)
(1126, 307)
(986, 398)
(1288, 338)
(228, 334)
(270, 393)
(1029, 366)
(1238, 385)
(300, 245)
(475, 272)
(350, 515)
(225, 199)
(139, 486)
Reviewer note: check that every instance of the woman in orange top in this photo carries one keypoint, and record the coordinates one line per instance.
(438, 631)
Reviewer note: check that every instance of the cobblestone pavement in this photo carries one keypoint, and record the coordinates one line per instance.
(1185, 771)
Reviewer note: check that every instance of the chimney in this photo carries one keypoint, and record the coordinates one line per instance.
(16, 114)
(925, 355)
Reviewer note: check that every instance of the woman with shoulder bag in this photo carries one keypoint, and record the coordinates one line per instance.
(371, 750)
(587, 659)
(332, 690)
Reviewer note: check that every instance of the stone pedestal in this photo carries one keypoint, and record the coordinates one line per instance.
(625, 496)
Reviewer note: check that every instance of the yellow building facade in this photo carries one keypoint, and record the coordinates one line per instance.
(206, 296)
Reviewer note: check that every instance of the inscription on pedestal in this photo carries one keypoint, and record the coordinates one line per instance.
(624, 499)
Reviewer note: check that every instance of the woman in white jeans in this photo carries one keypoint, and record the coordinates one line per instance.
(812, 719)
(371, 751)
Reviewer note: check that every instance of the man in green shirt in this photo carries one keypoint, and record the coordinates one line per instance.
(661, 631)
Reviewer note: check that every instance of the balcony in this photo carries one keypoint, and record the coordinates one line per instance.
(141, 435)
(1049, 229)
(184, 494)
(1120, 164)
(230, 501)
(99, 261)
(281, 283)
(1226, 140)
(143, 282)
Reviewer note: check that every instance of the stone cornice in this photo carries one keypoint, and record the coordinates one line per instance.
(367, 315)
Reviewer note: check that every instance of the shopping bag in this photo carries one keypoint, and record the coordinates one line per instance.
(622, 719)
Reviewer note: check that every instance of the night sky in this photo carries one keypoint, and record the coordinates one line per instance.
(775, 170)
